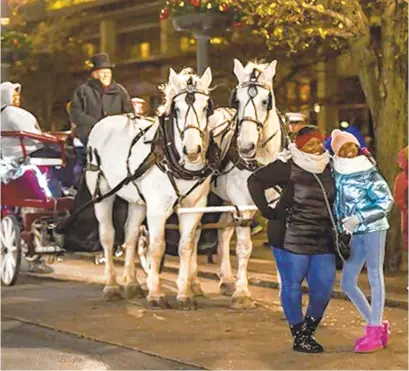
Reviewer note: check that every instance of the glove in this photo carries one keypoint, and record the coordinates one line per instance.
(349, 224)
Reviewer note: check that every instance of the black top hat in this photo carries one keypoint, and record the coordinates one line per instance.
(99, 61)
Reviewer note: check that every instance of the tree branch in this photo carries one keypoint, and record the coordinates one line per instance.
(329, 13)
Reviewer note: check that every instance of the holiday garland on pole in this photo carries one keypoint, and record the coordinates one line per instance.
(16, 42)
(174, 8)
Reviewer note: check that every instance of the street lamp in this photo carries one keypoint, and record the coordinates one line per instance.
(205, 19)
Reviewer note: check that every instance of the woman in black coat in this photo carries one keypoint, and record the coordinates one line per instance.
(300, 231)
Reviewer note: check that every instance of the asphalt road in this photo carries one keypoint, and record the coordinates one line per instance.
(54, 324)
(30, 347)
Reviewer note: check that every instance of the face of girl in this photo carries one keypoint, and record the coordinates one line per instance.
(314, 147)
(348, 150)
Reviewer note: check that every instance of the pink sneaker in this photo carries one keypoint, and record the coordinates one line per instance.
(372, 341)
(386, 330)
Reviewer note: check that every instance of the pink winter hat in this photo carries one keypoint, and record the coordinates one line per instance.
(339, 138)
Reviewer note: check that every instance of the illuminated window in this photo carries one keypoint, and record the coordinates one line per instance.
(88, 49)
(60, 4)
(145, 50)
(184, 44)
(216, 40)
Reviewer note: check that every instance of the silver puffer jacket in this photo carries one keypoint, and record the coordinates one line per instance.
(366, 195)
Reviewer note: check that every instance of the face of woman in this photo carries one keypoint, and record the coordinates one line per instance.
(314, 147)
(348, 150)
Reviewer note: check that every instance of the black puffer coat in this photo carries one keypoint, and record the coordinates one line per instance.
(92, 102)
(300, 223)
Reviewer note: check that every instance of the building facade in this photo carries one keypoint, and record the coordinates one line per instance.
(144, 47)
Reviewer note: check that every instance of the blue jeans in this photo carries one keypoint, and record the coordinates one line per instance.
(319, 271)
(369, 248)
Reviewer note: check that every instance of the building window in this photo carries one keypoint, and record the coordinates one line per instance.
(184, 44)
(145, 50)
(88, 49)
(61, 4)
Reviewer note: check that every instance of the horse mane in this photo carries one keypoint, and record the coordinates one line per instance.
(169, 92)
(258, 64)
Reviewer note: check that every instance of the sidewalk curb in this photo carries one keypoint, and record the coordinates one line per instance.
(265, 283)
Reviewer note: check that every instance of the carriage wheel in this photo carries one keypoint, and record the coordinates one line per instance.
(10, 250)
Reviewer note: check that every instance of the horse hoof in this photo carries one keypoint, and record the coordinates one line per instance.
(112, 294)
(186, 304)
(157, 303)
(227, 288)
(242, 302)
(197, 290)
(134, 291)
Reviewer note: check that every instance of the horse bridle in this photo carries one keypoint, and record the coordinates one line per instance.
(190, 99)
(252, 91)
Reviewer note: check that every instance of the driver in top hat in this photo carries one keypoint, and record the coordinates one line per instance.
(99, 97)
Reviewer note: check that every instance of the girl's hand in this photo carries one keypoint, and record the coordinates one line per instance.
(349, 224)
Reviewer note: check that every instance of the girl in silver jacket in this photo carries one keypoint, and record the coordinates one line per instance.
(363, 201)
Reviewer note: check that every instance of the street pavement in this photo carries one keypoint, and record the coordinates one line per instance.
(32, 347)
(212, 337)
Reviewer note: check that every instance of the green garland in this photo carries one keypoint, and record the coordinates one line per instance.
(16, 41)
(183, 7)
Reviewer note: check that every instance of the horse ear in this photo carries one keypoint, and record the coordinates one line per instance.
(239, 70)
(173, 78)
(270, 71)
(206, 79)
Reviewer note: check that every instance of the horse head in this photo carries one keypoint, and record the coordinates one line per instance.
(253, 98)
(188, 104)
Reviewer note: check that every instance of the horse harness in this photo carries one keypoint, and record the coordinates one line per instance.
(253, 86)
(164, 154)
(233, 155)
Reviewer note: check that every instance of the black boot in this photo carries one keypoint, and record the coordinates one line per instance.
(303, 340)
(312, 324)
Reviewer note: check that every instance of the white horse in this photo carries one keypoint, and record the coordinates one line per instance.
(114, 153)
(258, 141)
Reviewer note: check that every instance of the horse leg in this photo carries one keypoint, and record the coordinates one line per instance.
(195, 283)
(142, 246)
(136, 214)
(226, 284)
(156, 225)
(241, 296)
(188, 224)
(103, 213)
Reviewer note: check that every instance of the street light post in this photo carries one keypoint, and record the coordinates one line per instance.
(6, 54)
(202, 52)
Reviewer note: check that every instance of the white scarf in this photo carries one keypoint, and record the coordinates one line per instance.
(351, 165)
(312, 163)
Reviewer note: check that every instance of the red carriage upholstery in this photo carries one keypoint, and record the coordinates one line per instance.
(30, 190)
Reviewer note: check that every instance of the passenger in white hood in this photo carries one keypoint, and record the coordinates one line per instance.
(14, 118)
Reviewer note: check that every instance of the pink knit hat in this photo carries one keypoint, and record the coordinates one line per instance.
(339, 138)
